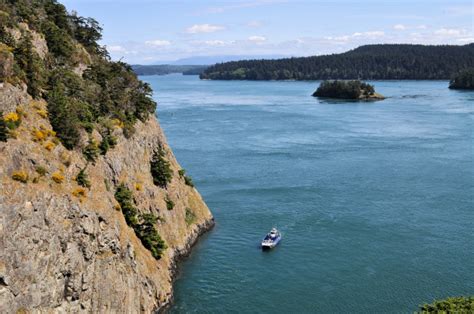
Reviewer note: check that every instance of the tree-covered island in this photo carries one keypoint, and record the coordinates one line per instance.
(463, 80)
(340, 89)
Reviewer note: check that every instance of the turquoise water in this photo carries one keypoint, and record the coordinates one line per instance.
(374, 200)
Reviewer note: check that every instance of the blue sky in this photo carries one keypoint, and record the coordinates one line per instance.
(146, 31)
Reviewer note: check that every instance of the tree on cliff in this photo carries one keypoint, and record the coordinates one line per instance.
(105, 91)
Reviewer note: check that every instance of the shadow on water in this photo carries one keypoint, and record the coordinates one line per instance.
(335, 101)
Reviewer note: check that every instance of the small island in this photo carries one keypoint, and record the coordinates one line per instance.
(463, 80)
(341, 89)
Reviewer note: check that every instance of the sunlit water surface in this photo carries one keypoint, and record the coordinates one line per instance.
(374, 200)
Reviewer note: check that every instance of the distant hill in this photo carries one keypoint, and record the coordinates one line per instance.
(376, 62)
(163, 69)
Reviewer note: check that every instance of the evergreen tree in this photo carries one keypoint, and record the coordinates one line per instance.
(160, 168)
(82, 178)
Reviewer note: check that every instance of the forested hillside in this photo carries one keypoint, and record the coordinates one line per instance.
(163, 69)
(399, 61)
(85, 90)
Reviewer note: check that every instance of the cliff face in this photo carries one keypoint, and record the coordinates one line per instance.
(66, 247)
(65, 252)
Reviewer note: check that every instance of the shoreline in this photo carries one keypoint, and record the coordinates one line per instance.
(180, 255)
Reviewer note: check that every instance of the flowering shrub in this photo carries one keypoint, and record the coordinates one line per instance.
(57, 177)
(20, 175)
(79, 192)
(49, 145)
(12, 120)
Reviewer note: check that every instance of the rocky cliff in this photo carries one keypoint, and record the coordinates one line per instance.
(65, 245)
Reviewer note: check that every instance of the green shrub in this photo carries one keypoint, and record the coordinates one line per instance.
(169, 203)
(41, 170)
(91, 151)
(143, 225)
(124, 197)
(160, 168)
(190, 216)
(3, 129)
(187, 179)
(450, 305)
(82, 179)
(108, 141)
(149, 236)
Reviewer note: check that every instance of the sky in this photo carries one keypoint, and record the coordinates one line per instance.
(152, 31)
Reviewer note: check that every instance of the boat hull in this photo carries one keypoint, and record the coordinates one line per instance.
(270, 245)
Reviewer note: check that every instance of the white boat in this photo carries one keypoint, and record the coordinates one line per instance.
(271, 239)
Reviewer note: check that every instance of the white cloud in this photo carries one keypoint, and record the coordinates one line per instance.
(157, 43)
(116, 48)
(354, 37)
(450, 32)
(257, 39)
(466, 40)
(204, 28)
(399, 27)
(422, 26)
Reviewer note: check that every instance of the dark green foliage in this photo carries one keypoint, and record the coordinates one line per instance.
(187, 179)
(160, 168)
(108, 141)
(107, 90)
(450, 305)
(3, 129)
(143, 225)
(41, 170)
(149, 236)
(366, 62)
(169, 203)
(6, 37)
(86, 31)
(82, 179)
(66, 124)
(91, 151)
(30, 64)
(344, 89)
(124, 197)
(59, 41)
(463, 80)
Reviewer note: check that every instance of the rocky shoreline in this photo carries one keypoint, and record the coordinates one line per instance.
(180, 254)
